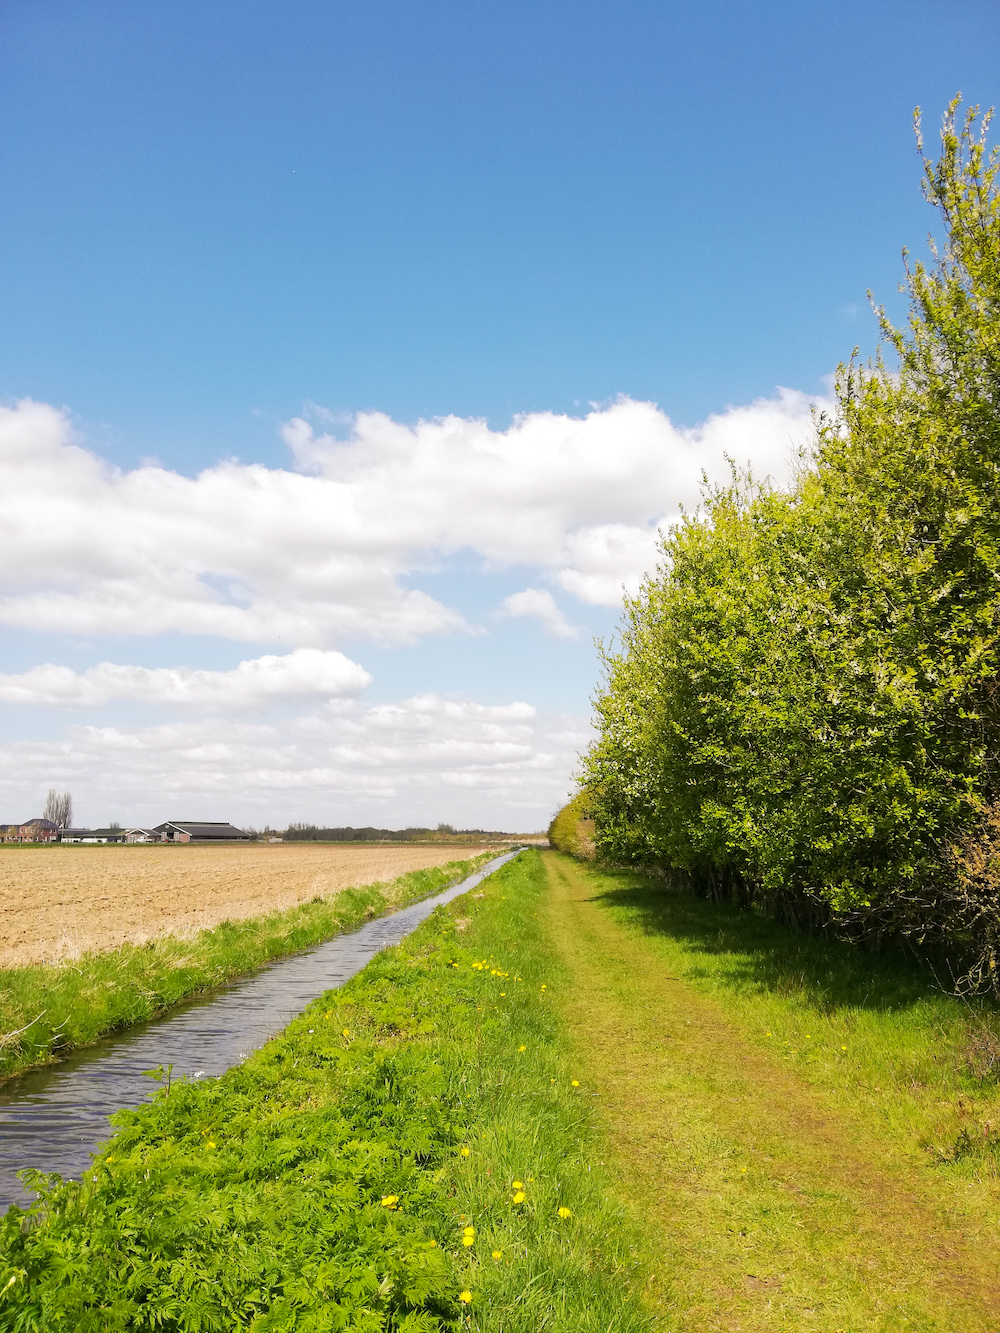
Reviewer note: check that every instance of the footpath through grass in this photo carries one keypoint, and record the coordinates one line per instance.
(808, 1133)
(49, 1009)
(415, 1153)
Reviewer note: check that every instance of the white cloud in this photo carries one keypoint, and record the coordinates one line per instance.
(308, 557)
(253, 684)
(422, 760)
(541, 605)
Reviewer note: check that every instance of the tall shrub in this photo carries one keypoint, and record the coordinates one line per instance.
(803, 708)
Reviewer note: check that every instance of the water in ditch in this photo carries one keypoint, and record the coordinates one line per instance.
(54, 1118)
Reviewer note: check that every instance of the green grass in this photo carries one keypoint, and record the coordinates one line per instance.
(880, 1031)
(48, 1009)
(332, 1180)
(806, 1132)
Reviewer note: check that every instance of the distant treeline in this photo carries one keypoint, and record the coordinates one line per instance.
(804, 712)
(312, 833)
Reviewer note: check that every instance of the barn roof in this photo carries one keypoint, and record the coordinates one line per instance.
(196, 828)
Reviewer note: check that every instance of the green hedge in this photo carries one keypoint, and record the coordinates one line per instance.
(804, 711)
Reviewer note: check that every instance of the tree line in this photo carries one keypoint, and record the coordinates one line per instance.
(803, 711)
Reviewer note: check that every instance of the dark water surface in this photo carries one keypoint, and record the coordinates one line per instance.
(54, 1118)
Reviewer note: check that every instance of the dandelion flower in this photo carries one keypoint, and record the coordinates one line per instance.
(210, 1144)
(433, 1244)
(390, 1201)
(468, 1240)
(575, 1083)
(564, 1212)
(843, 1048)
(469, 1230)
(466, 1151)
(498, 1254)
(520, 1049)
(519, 1196)
(347, 1032)
(518, 1185)
(465, 1297)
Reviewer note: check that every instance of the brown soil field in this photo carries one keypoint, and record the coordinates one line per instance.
(59, 902)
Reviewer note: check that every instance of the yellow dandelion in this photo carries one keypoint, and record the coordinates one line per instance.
(470, 1230)
(390, 1201)
(347, 1032)
(521, 1049)
(519, 1196)
(843, 1048)
(466, 1152)
(518, 1185)
(564, 1212)
(575, 1083)
(498, 1254)
(468, 1240)
(432, 1244)
(210, 1144)
(465, 1297)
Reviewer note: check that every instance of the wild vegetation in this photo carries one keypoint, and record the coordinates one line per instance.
(572, 830)
(47, 1010)
(806, 1131)
(414, 1153)
(803, 712)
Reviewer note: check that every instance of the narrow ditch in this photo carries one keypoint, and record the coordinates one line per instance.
(55, 1117)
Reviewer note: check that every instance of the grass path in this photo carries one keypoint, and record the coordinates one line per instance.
(768, 1204)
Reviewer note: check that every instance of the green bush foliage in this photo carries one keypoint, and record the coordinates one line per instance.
(357, 1172)
(803, 712)
(572, 830)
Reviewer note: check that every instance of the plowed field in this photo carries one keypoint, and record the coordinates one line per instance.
(58, 902)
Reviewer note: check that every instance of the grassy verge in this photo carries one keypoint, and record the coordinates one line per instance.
(807, 1131)
(878, 1033)
(51, 1008)
(414, 1153)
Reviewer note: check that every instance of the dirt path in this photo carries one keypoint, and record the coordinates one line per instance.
(765, 1208)
(56, 902)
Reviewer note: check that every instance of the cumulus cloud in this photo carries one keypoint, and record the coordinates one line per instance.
(313, 555)
(539, 604)
(422, 760)
(253, 684)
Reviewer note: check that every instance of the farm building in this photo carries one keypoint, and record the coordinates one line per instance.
(35, 830)
(75, 835)
(183, 830)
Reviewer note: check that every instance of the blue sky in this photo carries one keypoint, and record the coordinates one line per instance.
(221, 218)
